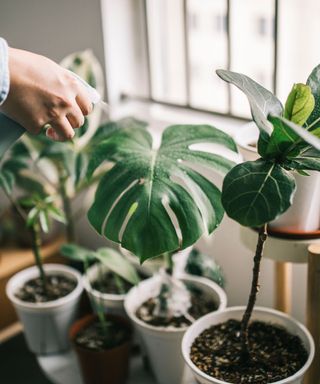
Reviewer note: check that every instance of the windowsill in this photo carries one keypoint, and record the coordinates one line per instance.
(159, 116)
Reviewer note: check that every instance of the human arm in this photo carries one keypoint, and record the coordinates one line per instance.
(41, 92)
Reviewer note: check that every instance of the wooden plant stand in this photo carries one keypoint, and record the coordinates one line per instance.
(285, 250)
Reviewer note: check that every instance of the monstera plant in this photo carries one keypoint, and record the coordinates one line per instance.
(256, 192)
(153, 201)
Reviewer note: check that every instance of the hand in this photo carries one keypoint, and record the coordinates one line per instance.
(42, 92)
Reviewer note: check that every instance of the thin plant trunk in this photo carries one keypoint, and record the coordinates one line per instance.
(36, 240)
(253, 293)
(70, 230)
(36, 245)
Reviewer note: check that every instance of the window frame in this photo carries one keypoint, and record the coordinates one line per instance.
(140, 77)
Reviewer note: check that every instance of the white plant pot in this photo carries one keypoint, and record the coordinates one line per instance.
(46, 325)
(262, 314)
(163, 344)
(245, 136)
(112, 303)
(304, 214)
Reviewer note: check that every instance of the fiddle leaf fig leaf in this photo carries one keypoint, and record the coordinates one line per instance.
(316, 132)
(314, 84)
(299, 104)
(257, 192)
(308, 159)
(295, 130)
(262, 102)
(281, 139)
(153, 201)
(118, 264)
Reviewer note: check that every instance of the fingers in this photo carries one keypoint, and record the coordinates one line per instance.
(70, 115)
(60, 130)
(75, 117)
(84, 101)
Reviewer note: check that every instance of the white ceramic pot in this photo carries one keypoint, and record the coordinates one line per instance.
(262, 314)
(46, 325)
(163, 344)
(304, 214)
(112, 303)
(246, 138)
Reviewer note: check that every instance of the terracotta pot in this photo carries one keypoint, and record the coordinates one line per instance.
(110, 366)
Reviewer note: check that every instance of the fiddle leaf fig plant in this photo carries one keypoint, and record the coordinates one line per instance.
(257, 192)
(153, 201)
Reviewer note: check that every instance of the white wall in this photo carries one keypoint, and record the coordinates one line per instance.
(53, 27)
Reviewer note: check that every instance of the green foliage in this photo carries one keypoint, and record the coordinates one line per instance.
(8, 172)
(255, 193)
(134, 198)
(109, 257)
(262, 102)
(314, 83)
(41, 211)
(200, 264)
(299, 105)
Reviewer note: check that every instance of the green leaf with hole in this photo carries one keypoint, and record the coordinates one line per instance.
(174, 204)
(257, 192)
(299, 105)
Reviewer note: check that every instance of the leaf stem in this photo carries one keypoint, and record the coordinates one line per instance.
(36, 245)
(313, 124)
(253, 293)
(70, 230)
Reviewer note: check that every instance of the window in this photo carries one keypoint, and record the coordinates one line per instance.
(262, 25)
(168, 50)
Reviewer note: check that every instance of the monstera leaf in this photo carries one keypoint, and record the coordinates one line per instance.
(153, 200)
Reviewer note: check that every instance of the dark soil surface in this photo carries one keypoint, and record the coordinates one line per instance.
(95, 337)
(275, 354)
(201, 304)
(108, 282)
(57, 286)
